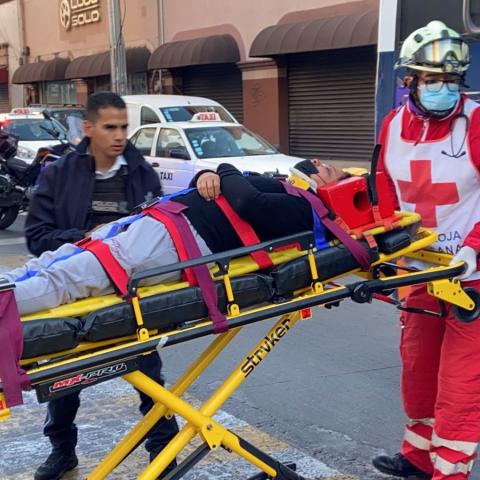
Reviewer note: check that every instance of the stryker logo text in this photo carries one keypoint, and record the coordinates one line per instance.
(268, 343)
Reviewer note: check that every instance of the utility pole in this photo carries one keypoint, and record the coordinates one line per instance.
(161, 41)
(20, 100)
(118, 62)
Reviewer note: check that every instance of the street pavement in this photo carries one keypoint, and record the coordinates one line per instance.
(327, 398)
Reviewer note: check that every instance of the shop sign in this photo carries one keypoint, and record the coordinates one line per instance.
(76, 13)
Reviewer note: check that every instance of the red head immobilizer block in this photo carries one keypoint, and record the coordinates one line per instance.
(349, 200)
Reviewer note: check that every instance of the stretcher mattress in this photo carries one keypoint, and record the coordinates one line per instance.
(183, 306)
(333, 262)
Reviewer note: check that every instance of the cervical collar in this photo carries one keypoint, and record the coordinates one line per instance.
(300, 175)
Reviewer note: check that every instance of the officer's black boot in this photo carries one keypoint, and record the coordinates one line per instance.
(61, 430)
(56, 465)
(399, 466)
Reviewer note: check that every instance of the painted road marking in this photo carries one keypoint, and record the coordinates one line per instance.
(12, 241)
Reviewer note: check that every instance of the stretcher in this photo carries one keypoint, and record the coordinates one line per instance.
(93, 340)
(75, 346)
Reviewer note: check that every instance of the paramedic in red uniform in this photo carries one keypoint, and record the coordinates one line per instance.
(431, 153)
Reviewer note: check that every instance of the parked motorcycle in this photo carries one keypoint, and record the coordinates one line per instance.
(47, 155)
(18, 179)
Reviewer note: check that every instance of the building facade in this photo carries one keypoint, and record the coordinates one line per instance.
(303, 71)
(299, 72)
(11, 47)
(70, 59)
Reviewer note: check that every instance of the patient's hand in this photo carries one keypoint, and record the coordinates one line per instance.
(208, 186)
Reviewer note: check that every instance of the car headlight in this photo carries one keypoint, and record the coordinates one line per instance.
(26, 153)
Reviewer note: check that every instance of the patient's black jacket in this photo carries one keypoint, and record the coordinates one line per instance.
(261, 201)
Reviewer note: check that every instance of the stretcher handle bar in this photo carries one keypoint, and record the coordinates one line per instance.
(304, 239)
(411, 269)
(131, 351)
(420, 277)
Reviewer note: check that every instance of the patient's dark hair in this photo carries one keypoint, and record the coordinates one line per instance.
(307, 167)
(101, 100)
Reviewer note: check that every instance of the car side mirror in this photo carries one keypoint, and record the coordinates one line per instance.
(180, 153)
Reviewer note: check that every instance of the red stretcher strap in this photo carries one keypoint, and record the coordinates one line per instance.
(173, 211)
(113, 269)
(177, 239)
(244, 231)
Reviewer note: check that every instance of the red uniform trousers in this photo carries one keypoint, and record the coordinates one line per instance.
(440, 388)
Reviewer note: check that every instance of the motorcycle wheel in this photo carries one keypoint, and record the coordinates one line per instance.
(7, 216)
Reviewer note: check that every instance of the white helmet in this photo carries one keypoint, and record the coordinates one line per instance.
(435, 48)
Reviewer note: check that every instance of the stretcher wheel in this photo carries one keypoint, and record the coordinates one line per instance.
(468, 316)
(361, 293)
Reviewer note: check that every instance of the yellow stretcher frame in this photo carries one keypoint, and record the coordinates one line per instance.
(120, 355)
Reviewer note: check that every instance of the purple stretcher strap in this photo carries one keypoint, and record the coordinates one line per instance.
(14, 378)
(358, 251)
(204, 279)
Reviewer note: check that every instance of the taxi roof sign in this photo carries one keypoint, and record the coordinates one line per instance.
(25, 111)
(206, 117)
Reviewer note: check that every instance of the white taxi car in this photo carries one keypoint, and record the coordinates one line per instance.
(179, 150)
(33, 131)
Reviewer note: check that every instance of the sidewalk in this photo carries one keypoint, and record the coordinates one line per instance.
(10, 261)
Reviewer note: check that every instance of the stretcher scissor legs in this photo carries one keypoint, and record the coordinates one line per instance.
(200, 421)
(141, 429)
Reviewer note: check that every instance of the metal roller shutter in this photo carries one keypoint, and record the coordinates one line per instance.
(331, 100)
(222, 83)
(4, 101)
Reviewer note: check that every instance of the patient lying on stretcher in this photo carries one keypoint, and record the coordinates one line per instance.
(140, 242)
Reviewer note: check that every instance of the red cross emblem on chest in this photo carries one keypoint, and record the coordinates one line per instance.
(425, 194)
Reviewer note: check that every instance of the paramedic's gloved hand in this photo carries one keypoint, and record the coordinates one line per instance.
(469, 256)
(208, 186)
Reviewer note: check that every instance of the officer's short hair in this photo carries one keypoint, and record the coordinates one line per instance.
(101, 100)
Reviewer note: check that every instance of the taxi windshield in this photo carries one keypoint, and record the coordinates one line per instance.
(231, 141)
(185, 113)
(34, 129)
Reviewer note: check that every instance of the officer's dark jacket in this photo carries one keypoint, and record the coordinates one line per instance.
(59, 209)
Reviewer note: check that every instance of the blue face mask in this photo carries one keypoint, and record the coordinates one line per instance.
(440, 101)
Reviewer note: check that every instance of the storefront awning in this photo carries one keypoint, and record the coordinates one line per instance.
(98, 65)
(343, 31)
(41, 71)
(198, 51)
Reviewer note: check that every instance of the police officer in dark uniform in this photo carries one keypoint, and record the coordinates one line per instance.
(104, 179)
